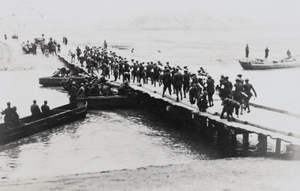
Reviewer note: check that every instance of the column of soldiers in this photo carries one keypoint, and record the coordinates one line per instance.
(199, 86)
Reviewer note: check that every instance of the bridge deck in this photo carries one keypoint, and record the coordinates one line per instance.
(274, 123)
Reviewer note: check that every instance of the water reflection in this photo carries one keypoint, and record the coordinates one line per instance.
(111, 140)
(105, 140)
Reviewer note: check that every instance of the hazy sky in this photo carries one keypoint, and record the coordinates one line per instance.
(122, 12)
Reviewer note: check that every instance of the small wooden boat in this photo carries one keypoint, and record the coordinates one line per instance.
(111, 101)
(29, 125)
(59, 81)
(260, 64)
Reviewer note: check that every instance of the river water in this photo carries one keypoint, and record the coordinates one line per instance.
(104, 140)
(119, 139)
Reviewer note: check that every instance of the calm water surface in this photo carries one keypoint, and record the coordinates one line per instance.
(104, 140)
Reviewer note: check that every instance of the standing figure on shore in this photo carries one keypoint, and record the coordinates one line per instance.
(248, 88)
(247, 51)
(35, 110)
(266, 52)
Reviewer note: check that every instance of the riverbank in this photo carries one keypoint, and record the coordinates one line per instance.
(230, 174)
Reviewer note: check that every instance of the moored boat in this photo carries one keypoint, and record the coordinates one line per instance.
(111, 101)
(59, 81)
(260, 64)
(29, 125)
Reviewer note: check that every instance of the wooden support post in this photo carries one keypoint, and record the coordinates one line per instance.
(209, 131)
(204, 122)
(233, 138)
(245, 143)
(263, 144)
(223, 134)
(278, 146)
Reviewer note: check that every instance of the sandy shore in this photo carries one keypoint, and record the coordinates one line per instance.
(231, 174)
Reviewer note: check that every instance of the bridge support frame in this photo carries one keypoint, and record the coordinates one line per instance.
(278, 146)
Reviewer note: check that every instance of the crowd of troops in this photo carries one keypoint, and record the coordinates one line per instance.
(235, 96)
(47, 48)
(100, 65)
(200, 87)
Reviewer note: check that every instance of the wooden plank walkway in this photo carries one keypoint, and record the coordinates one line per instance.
(275, 123)
(260, 121)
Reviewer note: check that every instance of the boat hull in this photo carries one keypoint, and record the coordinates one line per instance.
(30, 126)
(111, 101)
(58, 81)
(267, 65)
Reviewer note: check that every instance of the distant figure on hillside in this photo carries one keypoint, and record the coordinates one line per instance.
(289, 53)
(35, 110)
(5, 37)
(45, 109)
(247, 51)
(266, 52)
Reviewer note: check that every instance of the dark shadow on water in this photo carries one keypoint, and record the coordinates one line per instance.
(193, 140)
(204, 146)
(43, 137)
